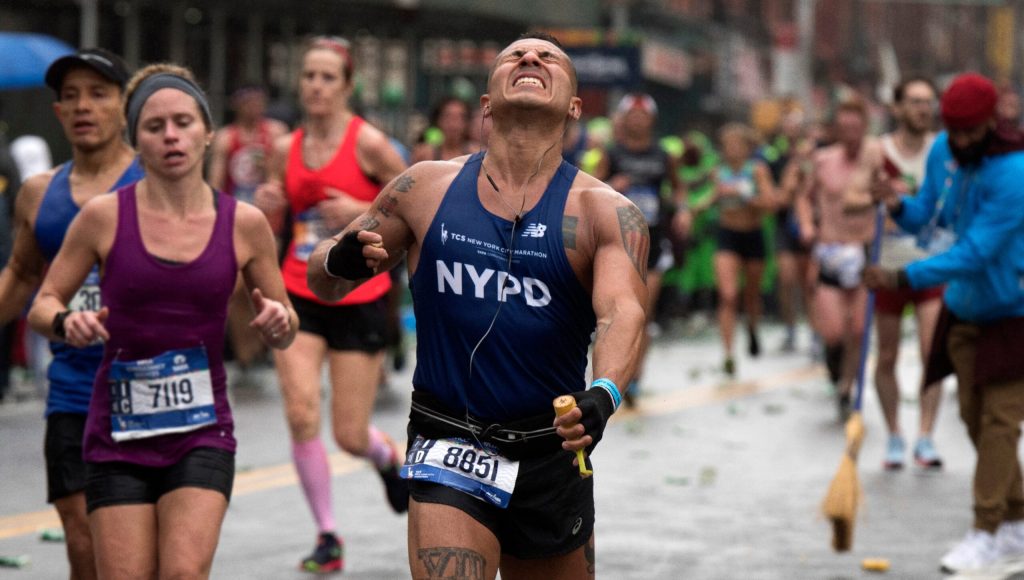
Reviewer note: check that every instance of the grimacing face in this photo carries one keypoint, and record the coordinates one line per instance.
(90, 109)
(532, 73)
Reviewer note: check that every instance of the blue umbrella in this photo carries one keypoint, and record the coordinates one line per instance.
(24, 58)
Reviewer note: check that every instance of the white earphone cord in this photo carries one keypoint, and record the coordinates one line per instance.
(508, 269)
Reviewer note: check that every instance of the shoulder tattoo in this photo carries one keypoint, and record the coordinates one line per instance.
(635, 237)
(404, 183)
(452, 563)
(569, 224)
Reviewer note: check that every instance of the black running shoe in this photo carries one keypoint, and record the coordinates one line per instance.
(395, 488)
(753, 345)
(729, 367)
(398, 358)
(834, 362)
(328, 556)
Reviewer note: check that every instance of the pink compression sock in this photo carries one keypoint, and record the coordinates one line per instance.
(378, 450)
(310, 459)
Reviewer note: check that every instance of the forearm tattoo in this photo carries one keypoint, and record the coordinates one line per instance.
(369, 221)
(635, 237)
(386, 204)
(452, 563)
(569, 224)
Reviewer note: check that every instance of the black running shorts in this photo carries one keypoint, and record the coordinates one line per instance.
(119, 483)
(551, 512)
(359, 327)
(747, 245)
(62, 447)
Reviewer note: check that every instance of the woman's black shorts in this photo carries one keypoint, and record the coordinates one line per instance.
(359, 327)
(119, 483)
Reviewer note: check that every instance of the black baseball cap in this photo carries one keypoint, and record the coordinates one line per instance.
(106, 63)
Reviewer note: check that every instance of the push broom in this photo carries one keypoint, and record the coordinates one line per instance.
(844, 493)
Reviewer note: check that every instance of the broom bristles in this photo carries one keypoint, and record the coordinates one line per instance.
(841, 501)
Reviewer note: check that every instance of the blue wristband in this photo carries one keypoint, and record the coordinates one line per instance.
(609, 386)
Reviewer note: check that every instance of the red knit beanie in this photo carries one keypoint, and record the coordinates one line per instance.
(969, 101)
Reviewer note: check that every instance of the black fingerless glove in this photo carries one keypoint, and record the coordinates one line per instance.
(597, 407)
(346, 260)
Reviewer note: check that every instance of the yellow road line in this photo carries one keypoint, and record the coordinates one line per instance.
(707, 394)
(283, 475)
(246, 482)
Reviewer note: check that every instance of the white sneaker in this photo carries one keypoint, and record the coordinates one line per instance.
(1010, 539)
(977, 550)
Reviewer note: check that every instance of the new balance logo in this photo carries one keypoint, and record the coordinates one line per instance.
(535, 230)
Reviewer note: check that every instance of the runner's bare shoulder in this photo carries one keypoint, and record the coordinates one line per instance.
(30, 196)
(436, 173)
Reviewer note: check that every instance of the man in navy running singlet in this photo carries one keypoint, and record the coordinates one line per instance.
(90, 90)
(514, 257)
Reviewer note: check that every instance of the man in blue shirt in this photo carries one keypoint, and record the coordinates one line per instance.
(514, 256)
(969, 213)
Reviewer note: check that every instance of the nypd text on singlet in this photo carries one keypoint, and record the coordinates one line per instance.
(486, 282)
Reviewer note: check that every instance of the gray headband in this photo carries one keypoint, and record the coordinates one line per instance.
(153, 84)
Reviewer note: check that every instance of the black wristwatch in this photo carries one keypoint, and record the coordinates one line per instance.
(58, 323)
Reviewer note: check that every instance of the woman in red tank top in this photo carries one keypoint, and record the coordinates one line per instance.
(326, 173)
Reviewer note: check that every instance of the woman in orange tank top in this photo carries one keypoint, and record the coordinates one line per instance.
(325, 174)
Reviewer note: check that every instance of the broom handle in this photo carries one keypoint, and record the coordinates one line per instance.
(869, 314)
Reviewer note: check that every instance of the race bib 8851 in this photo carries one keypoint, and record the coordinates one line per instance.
(459, 464)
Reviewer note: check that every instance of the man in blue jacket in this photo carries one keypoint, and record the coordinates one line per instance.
(970, 214)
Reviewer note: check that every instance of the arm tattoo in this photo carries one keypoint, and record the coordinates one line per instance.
(369, 222)
(388, 204)
(452, 563)
(635, 237)
(404, 184)
(569, 224)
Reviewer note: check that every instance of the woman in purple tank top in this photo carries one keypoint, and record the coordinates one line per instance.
(159, 443)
